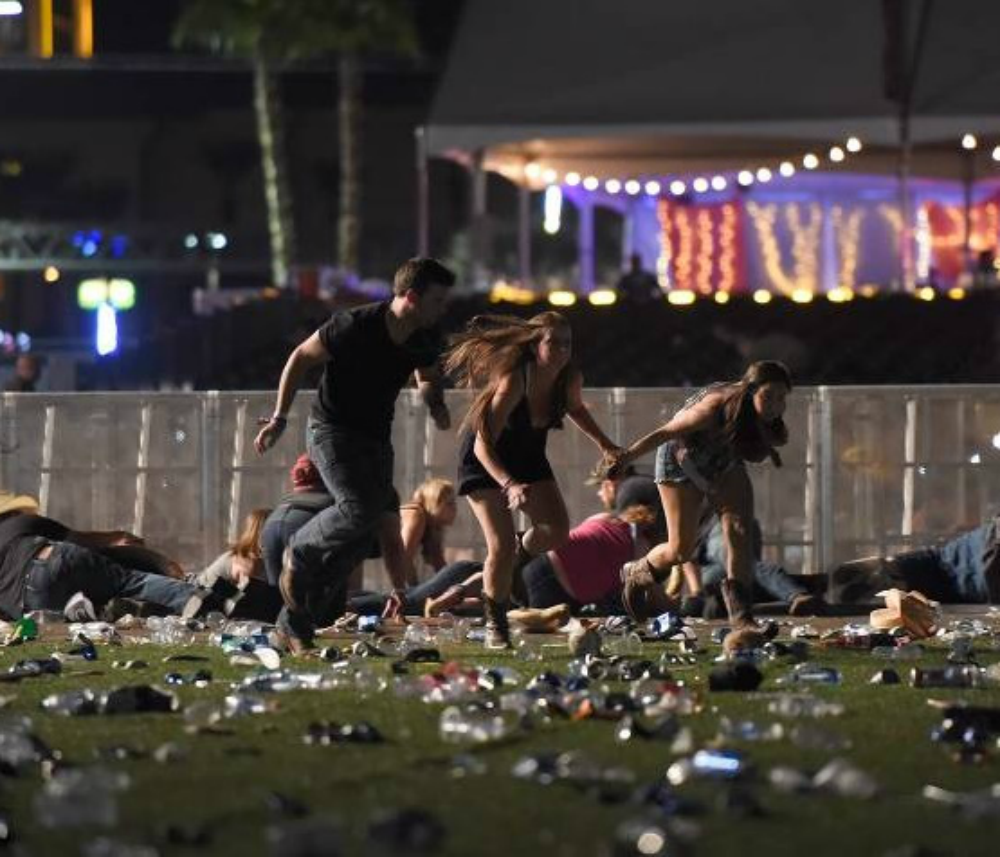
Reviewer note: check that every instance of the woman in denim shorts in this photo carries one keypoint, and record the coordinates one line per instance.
(700, 458)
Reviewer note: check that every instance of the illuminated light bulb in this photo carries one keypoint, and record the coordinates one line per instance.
(532, 170)
(787, 169)
(718, 183)
(700, 185)
(996, 153)
(591, 183)
(632, 187)
(612, 185)
(602, 297)
(956, 293)
(837, 154)
(681, 297)
(810, 161)
(572, 179)
(969, 142)
(550, 176)
(762, 296)
(653, 188)
(562, 297)
(677, 187)
(763, 175)
(926, 293)
(745, 178)
(853, 145)
(721, 297)
(802, 296)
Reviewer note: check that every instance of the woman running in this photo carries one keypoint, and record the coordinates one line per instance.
(526, 384)
(700, 458)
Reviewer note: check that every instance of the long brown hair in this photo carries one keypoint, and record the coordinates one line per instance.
(492, 347)
(741, 425)
(247, 544)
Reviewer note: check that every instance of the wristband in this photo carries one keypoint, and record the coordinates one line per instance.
(279, 420)
(507, 485)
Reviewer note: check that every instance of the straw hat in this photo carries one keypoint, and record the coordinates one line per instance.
(16, 503)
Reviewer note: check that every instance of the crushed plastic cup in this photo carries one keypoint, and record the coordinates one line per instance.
(627, 645)
(106, 847)
(983, 804)
(463, 726)
(78, 796)
(790, 780)
(749, 730)
(803, 705)
(202, 715)
(245, 704)
(847, 780)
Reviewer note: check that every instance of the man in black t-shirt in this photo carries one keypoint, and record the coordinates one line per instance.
(369, 352)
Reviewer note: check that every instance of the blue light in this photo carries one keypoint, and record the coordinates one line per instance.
(89, 248)
(106, 340)
(119, 246)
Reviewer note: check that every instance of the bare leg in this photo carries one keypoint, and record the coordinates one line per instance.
(734, 502)
(681, 506)
(497, 523)
(549, 518)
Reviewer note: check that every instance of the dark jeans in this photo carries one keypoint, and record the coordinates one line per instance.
(768, 577)
(277, 534)
(545, 590)
(69, 569)
(369, 603)
(953, 573)
(357, 471)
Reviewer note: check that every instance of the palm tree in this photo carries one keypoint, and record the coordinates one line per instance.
(271, 33)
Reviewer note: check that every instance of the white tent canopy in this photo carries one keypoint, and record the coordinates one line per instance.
(644, 87)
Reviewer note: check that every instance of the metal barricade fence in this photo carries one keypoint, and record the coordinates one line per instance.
(867, 469)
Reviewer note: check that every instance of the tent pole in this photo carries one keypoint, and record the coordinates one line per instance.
(423, 194)
(478, 220)
(585, 244)
(524, 235)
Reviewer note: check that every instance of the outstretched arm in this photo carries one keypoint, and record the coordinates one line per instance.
(696, 418)
(307, 355)
(579, 413)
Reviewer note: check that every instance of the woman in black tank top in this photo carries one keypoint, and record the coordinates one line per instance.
(526, 385)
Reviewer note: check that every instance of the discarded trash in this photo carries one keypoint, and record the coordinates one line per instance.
(810, 674)
(910, 610)
(956, 676)
(325, 733)
(735, 676)
(846, 780)
(808, 736)
(77, 796)
(749, 730)
(803, 705)
(886, 676)
(458, 726)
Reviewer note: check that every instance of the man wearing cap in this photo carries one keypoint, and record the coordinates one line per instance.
(43, 564)
(368, 353)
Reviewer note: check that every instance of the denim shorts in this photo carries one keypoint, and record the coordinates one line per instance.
(700, 471)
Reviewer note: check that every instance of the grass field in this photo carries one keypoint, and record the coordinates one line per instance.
(217, 795)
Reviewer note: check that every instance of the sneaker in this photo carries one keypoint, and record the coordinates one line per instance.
(643, 596)
(80, 608)
(195, 604)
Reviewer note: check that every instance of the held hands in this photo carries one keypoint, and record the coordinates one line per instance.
(613, 461)
(272, 429)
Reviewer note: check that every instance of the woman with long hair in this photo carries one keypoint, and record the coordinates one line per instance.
(700, 458)
(241, 561)
(526, 384)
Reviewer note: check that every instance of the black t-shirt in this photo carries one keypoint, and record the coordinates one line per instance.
(17, 545)
(367, 369)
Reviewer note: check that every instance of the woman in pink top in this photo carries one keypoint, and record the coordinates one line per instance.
(586, 568)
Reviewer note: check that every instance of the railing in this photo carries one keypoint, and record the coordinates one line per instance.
(867, 469)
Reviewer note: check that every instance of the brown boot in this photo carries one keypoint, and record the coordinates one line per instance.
(497, 627)
(738, 604)
(643, 596)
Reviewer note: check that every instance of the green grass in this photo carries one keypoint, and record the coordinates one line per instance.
(223, 783)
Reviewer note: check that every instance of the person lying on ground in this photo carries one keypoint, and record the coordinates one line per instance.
(963, 570)
(44, 564)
